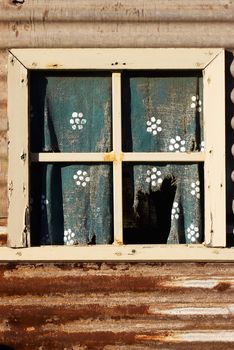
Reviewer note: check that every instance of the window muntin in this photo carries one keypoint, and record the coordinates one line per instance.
(117, 155)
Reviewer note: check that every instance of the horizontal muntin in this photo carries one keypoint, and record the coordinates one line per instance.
(116, 157)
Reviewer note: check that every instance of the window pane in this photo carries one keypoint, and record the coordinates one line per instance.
(71, 204)
(163, 203)
(70, 112)
(162, 112)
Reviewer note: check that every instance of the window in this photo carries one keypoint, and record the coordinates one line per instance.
(148, 114)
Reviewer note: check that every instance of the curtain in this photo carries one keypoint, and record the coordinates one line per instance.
(71, 203)
(162, 112)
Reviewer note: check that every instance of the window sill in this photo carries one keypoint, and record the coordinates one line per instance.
(150, 253)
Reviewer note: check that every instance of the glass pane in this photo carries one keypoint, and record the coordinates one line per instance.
(162, 112)
(70, 112)
(163, 203)
(71, 204)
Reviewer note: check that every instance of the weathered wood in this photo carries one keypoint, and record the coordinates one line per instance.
(3, 134)
(117, 164)
(214, 129)
(119, 59)
(112, 156)
(116, 59)
(164, 157)
(18, 180)
(119, 252)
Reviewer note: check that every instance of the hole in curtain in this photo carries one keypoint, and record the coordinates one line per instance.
(163, 203)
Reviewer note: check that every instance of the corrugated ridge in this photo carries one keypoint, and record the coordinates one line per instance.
(127, 34)
(122, 11)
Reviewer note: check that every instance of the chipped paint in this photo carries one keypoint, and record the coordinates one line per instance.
(204, 283)
(210, 336)
(201, 337)
(195, 311)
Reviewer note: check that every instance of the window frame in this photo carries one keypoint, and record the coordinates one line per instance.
(211, 61)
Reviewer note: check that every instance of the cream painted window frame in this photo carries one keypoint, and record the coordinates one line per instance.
(210, 61)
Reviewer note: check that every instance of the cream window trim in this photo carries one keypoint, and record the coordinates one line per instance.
(210, 61)
(18, 153)
(149, 253)
(115, 59)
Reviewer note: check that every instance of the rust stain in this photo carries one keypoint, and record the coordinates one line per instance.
(3, 239)
(45, 15)
(109, 157)
(3, 221)
(222, 286)
(56, 340)
(113, 157)
(161, 337)
(50, 313)
(82, 284)
(118, 242)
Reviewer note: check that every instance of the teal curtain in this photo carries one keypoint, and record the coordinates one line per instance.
(73, 203)
(162, 112)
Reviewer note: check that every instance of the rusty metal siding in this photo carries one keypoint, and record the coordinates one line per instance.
(112, 306)
(117, 306)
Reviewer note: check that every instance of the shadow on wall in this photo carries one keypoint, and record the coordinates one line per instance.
(6, 347)
(229, 88)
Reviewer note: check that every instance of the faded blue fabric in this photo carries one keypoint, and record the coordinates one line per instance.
(73, 203)
(163, 203)
(71, 112)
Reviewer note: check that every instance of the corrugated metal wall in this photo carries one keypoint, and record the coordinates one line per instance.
(117, 306)
(126, 305)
